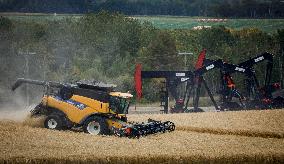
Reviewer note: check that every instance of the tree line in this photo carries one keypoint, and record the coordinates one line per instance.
(106, 46)
(205, 8)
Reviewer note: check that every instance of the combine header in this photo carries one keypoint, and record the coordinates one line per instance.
(94, 107)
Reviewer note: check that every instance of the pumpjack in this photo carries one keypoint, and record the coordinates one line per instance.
(94, 107)
(192, 79)
(263, 96)
(270, 95)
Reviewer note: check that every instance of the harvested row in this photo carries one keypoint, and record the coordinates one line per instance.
(264, 134)
(267, 124)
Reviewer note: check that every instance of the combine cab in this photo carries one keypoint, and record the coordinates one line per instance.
(94, 107)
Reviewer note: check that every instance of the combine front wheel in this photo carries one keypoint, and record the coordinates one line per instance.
(53, 122)
(96, 126)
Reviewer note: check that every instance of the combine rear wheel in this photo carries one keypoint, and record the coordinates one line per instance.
(96, 126)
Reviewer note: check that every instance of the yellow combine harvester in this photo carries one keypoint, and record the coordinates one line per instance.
(94, 107)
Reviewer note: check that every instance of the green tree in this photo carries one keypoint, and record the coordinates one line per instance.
(161, 52)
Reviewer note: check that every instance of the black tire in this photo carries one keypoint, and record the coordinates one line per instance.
(96, 126)
(54, 122)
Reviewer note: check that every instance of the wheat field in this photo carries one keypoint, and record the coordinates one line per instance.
(223, 137)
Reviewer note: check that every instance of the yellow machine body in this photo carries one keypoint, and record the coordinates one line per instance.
(78, 108)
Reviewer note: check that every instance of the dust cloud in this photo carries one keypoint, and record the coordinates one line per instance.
(15, 108)
(20, 115)
(14, 113)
